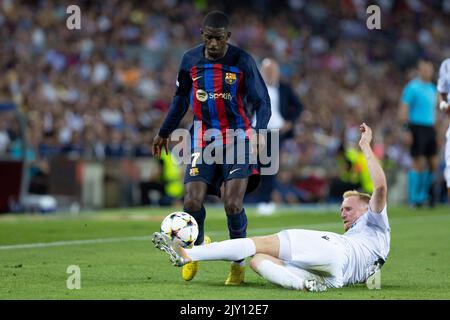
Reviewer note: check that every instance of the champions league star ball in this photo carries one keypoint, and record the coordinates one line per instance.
(182, 226)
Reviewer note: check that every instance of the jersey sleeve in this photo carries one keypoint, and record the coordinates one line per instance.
(184, 81)
(443, 85)
(379, 219)
(180, 102)
(256, 92)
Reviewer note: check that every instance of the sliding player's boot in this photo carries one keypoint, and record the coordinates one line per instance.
(315, 286)
(172, 248)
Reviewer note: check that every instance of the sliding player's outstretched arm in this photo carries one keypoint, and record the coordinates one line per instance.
(378, 199)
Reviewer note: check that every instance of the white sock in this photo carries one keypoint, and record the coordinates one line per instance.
(279, 275)
(231, 250)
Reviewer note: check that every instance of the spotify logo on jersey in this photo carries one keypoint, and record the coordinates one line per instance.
(201, 95)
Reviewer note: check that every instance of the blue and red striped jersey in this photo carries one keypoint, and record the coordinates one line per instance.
(218, 93)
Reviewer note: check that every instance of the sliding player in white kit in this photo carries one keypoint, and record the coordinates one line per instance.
(443, 87)
(311, 260)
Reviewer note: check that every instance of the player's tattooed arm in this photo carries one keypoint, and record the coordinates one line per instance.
(379, 195)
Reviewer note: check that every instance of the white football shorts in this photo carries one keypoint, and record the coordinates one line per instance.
(314, 255)
(447, 157)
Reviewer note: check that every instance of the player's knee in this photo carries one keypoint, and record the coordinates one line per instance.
(256, 260)
(192, 204)
(233, 207)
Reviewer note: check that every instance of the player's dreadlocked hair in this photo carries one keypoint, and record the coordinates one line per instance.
(216, 19)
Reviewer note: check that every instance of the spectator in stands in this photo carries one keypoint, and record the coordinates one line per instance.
(286, 109)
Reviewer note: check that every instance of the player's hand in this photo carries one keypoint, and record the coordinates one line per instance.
(366, 135)
(256, 141)
(158, 144)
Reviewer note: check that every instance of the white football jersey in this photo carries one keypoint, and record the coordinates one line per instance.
(367, 240)
(443, 84)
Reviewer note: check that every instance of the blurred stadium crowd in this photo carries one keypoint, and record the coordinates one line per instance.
(102, 91)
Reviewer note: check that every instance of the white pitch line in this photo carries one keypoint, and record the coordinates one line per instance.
(70, 243)
(253, 231)
(145, 238)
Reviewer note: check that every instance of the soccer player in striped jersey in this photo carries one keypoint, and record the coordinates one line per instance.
(216, 80)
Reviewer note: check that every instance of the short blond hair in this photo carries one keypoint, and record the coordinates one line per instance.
(353, 193)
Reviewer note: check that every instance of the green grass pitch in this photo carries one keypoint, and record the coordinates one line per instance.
(118, 261)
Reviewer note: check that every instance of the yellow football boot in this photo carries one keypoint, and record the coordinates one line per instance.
(190, 269)
(236, 275)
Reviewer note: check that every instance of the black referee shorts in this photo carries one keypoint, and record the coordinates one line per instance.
(424, 141)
